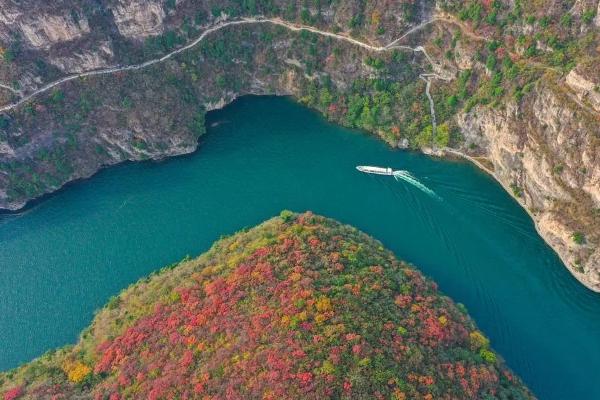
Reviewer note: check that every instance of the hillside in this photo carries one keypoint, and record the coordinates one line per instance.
(298, 307)
(511, 83)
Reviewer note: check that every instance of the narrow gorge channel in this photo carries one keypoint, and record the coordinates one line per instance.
(66, 255)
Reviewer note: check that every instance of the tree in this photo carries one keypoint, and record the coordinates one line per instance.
(442, 135)
(424, 138)
(566, 19)
(198, 126)
(588, 16)
(13, 393)
(579, 238)
(325, 98)
(76, 371)
(452, 101)
(170, 5)
(488, 356)
(4, 122)
(57, 96)
(491, 62)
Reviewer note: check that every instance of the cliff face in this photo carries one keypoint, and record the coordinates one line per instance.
(300, 307)
(546, 151)
(40, 29)
(523, 93)
(139, 19)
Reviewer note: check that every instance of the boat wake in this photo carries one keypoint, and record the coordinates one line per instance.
(398, 175)
(410, 179)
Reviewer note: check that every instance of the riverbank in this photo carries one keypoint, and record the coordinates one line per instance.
(101, 235)
(535, 218)
(99, 118)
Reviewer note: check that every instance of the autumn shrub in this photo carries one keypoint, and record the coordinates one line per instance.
(76, 371)
(299, 308)
(13, 393)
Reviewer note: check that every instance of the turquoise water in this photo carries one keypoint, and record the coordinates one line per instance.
(64, 257)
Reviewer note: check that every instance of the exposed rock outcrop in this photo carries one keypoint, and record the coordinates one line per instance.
(48, 29)
(85, 61)
(585, 88)
(550, 163)
(40, 30)
(139, 18)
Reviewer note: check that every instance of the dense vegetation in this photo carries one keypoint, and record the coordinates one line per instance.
(71, 130)
(299, 307)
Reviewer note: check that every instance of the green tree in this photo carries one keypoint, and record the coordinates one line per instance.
(491, 62)
(198, 125)
(579, 238)
(4, 122)
(566, 19)
(170, 5)
(442, 135)
(325, 98)
(588, 16)
(367, 117)
(424, 138)
(488, 356)
(452, 101)
(57, 96)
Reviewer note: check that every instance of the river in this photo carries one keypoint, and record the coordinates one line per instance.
(63, 257)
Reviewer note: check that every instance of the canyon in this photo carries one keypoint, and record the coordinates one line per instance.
(540, 143)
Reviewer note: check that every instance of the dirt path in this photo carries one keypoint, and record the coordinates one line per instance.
(11, 89)
(219, 26)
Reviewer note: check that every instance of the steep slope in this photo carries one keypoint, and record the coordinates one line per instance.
(299, 307)
(511, 83)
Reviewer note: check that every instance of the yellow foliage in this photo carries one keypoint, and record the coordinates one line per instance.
(234, 260)
(174, 297)
(333, 330)
(323, 304)
(320, 318)
(398, 395)
(302, 316)
(375, 18)
(478, 340)
(364, 362)
(295, 276)
(76, 371)
(327, 367)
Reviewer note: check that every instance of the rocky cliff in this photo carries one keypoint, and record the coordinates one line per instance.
(520, 90)
(551, 164)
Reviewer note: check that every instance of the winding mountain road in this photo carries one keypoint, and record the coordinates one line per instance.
(222, 25)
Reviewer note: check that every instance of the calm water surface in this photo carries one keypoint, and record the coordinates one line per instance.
(63, 258)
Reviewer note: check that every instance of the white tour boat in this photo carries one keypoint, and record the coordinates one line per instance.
(375, 170)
